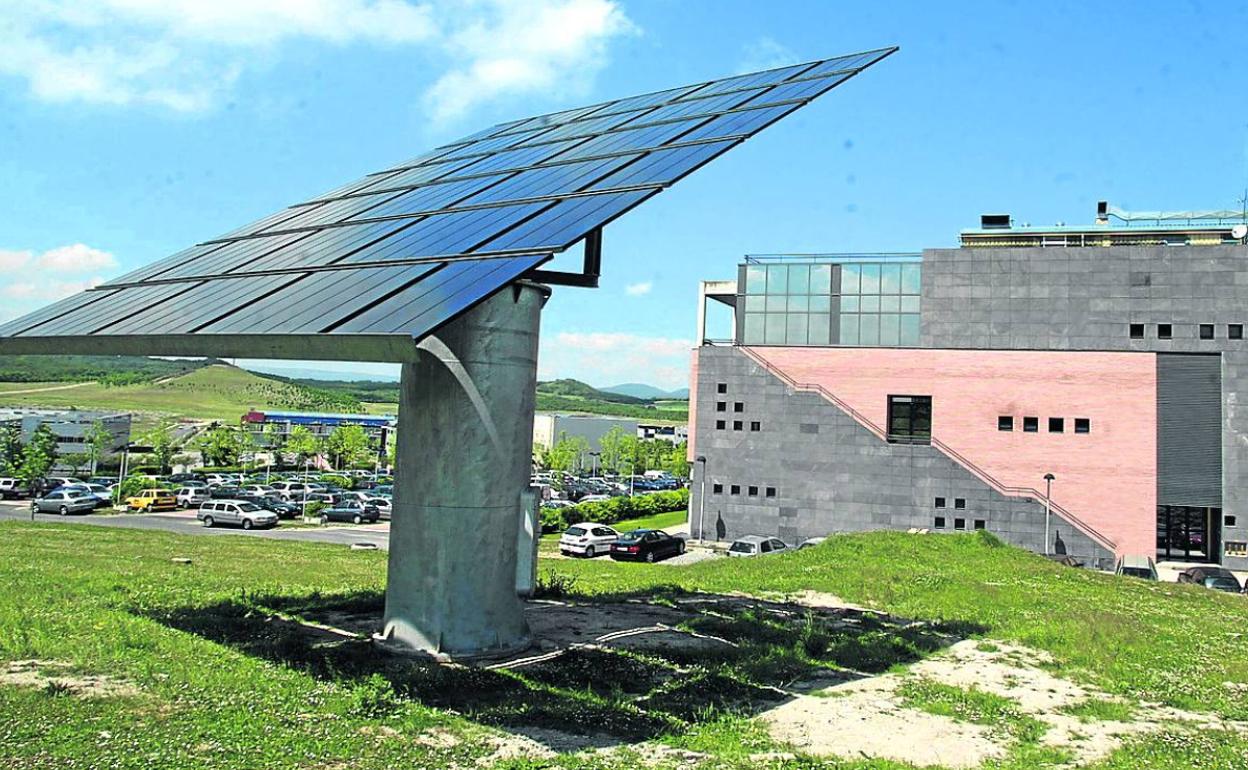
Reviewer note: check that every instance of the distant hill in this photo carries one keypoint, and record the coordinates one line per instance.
(648, 392)
(578, 389)
(109, 370)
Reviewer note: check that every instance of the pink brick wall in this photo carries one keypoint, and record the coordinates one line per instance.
(690, 453)
(1107, 478)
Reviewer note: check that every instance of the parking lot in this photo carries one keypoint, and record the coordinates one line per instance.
(184, 522)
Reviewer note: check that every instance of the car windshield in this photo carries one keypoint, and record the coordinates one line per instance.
(635, 534)
(576, 531)
(739, 547)
(248, 507)
(1222, 583)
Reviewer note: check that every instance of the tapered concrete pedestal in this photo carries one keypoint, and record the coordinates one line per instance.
(464, 458)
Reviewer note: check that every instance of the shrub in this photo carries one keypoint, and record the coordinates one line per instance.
(346, 482)
(553, 519)
(553, 585)
(314, 509)
(615, 509)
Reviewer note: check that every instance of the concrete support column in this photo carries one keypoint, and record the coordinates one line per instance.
(464, 451)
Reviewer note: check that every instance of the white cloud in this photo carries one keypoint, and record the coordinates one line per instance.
(638, 289)
(610, 358)
(78, 258)
(765, 54)
(185, 55)
(14, 260)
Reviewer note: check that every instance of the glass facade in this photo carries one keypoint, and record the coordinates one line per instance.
(858, 303)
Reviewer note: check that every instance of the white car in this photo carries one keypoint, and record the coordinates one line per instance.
(241, 512)
(192, 497)
(587, 539)
(263, 490)
(98, 491)
(756, 545)
(10, 487)
(593, 499)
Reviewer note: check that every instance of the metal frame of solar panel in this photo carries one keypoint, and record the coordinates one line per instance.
(407, 249)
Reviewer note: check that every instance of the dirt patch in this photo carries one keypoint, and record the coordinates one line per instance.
(56, 677)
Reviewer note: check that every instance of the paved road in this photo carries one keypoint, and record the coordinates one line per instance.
(184, 522)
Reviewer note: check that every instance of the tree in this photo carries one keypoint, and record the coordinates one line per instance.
(99, 440)
(302, 443)
(567, 452)
(677, 460)
(348, 445)
(611, 445)
(77, 461)
(541, 457)
(160, 439)
(220, 445)
(38, 457)
(11, 449)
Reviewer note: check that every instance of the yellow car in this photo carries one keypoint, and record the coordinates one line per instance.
(153, 500)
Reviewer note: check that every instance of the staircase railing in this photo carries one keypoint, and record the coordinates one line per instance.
(953, 454)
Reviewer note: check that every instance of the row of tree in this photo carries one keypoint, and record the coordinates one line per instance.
(33, 460)
(620, 452)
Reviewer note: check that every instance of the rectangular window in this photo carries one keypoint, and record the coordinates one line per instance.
(1137, 331)
(737, 425)
(940, 502)
(1206, 331)
(1031, 424)
(1165, 331)
(1005, 422)
(720, 425)
(910, 419)
(737, 406)
(1234, 331)
(717, 489)
(721, 387)
(771, 492)
(756, 426)
(959, 503)
(959, 523)
(940, 522)
(1229, 520)
(721, 406)
(753, 491)
(979, 524)
(1057, 425)
(1083, 425)
(735, 489)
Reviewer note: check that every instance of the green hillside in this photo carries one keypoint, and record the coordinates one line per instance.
(217, 391)
(112, 370)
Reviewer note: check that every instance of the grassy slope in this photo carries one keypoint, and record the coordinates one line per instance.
(213, 392)
(111, 602)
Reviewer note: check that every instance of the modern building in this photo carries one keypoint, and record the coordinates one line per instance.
(548, 428)
(676, 434)
(71, 428)
(951, 390)
(378, 427)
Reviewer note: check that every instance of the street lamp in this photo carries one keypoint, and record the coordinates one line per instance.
(1048, 495)
(702, 499)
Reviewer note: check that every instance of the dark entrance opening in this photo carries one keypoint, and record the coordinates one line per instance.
(1189, 533)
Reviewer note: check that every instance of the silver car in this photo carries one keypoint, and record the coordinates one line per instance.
(756, 545)
(191, 497)
(65, 502)
(245, 514)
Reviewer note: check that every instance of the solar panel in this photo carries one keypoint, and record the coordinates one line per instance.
(400, 252)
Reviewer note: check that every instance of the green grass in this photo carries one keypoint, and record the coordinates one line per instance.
(1100, 709)
(213, 392)
(970, 705)
(224, 681)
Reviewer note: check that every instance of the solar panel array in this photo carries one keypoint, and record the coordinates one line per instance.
(406, 249)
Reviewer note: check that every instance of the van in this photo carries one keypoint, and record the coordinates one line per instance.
(241, 512)
(11, 488)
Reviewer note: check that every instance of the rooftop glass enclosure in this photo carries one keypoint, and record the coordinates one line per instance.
(857, 300)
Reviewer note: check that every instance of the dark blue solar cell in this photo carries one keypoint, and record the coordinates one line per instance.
(231, 255)
(754, 79)
(851, 62)
(182, 257)
(200, 303)
(33, 322)
(356, 186)
(549, 180)
(586, 127)
(802, 89)
(566, 222)
(324, 247)
(521, 157)
(626, 140)
(739, 123)
(663, 166)
(432, 197)
(421, 175)
(445, 234)
(122, 303)
(691, 107)
(336, 211)
(647, 100)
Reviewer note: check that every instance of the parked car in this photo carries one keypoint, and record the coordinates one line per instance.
(244, 513)
(594, 499)
(587, 539)
(756, 545)
(811, 542)
(1137, 566)
(185, 479)
(1216, 578)
(64, 502)
(11, 488)
(295, 490)
(283, 509)
(153, 500)
(646, 544)
(224, 492)
(100, 492)
(263, 490)
(192, 497)
(350, 510)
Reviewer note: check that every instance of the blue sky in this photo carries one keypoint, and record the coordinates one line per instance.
(133, 128)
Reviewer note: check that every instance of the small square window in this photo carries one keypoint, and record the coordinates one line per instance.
(940, 502)
(1234, 331)
(720, 424)
(1057, 425)
(753, 491)
(1136, 331)
(979, 524)
(1165, 331)
(1229, 520)
(721, 406)
(721, 387)
(1206, 331)
(737, 425)
(717, 489)
(756, 426)
(959, 523)
(738, 407)
(770, 492)
(735, 489)
(959, 503)
(1031, 425)
(1005, 422)
(940, 522)
(1083, 425)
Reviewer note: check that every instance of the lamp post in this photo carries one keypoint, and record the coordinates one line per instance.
(701, 498)
(1048, 495)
